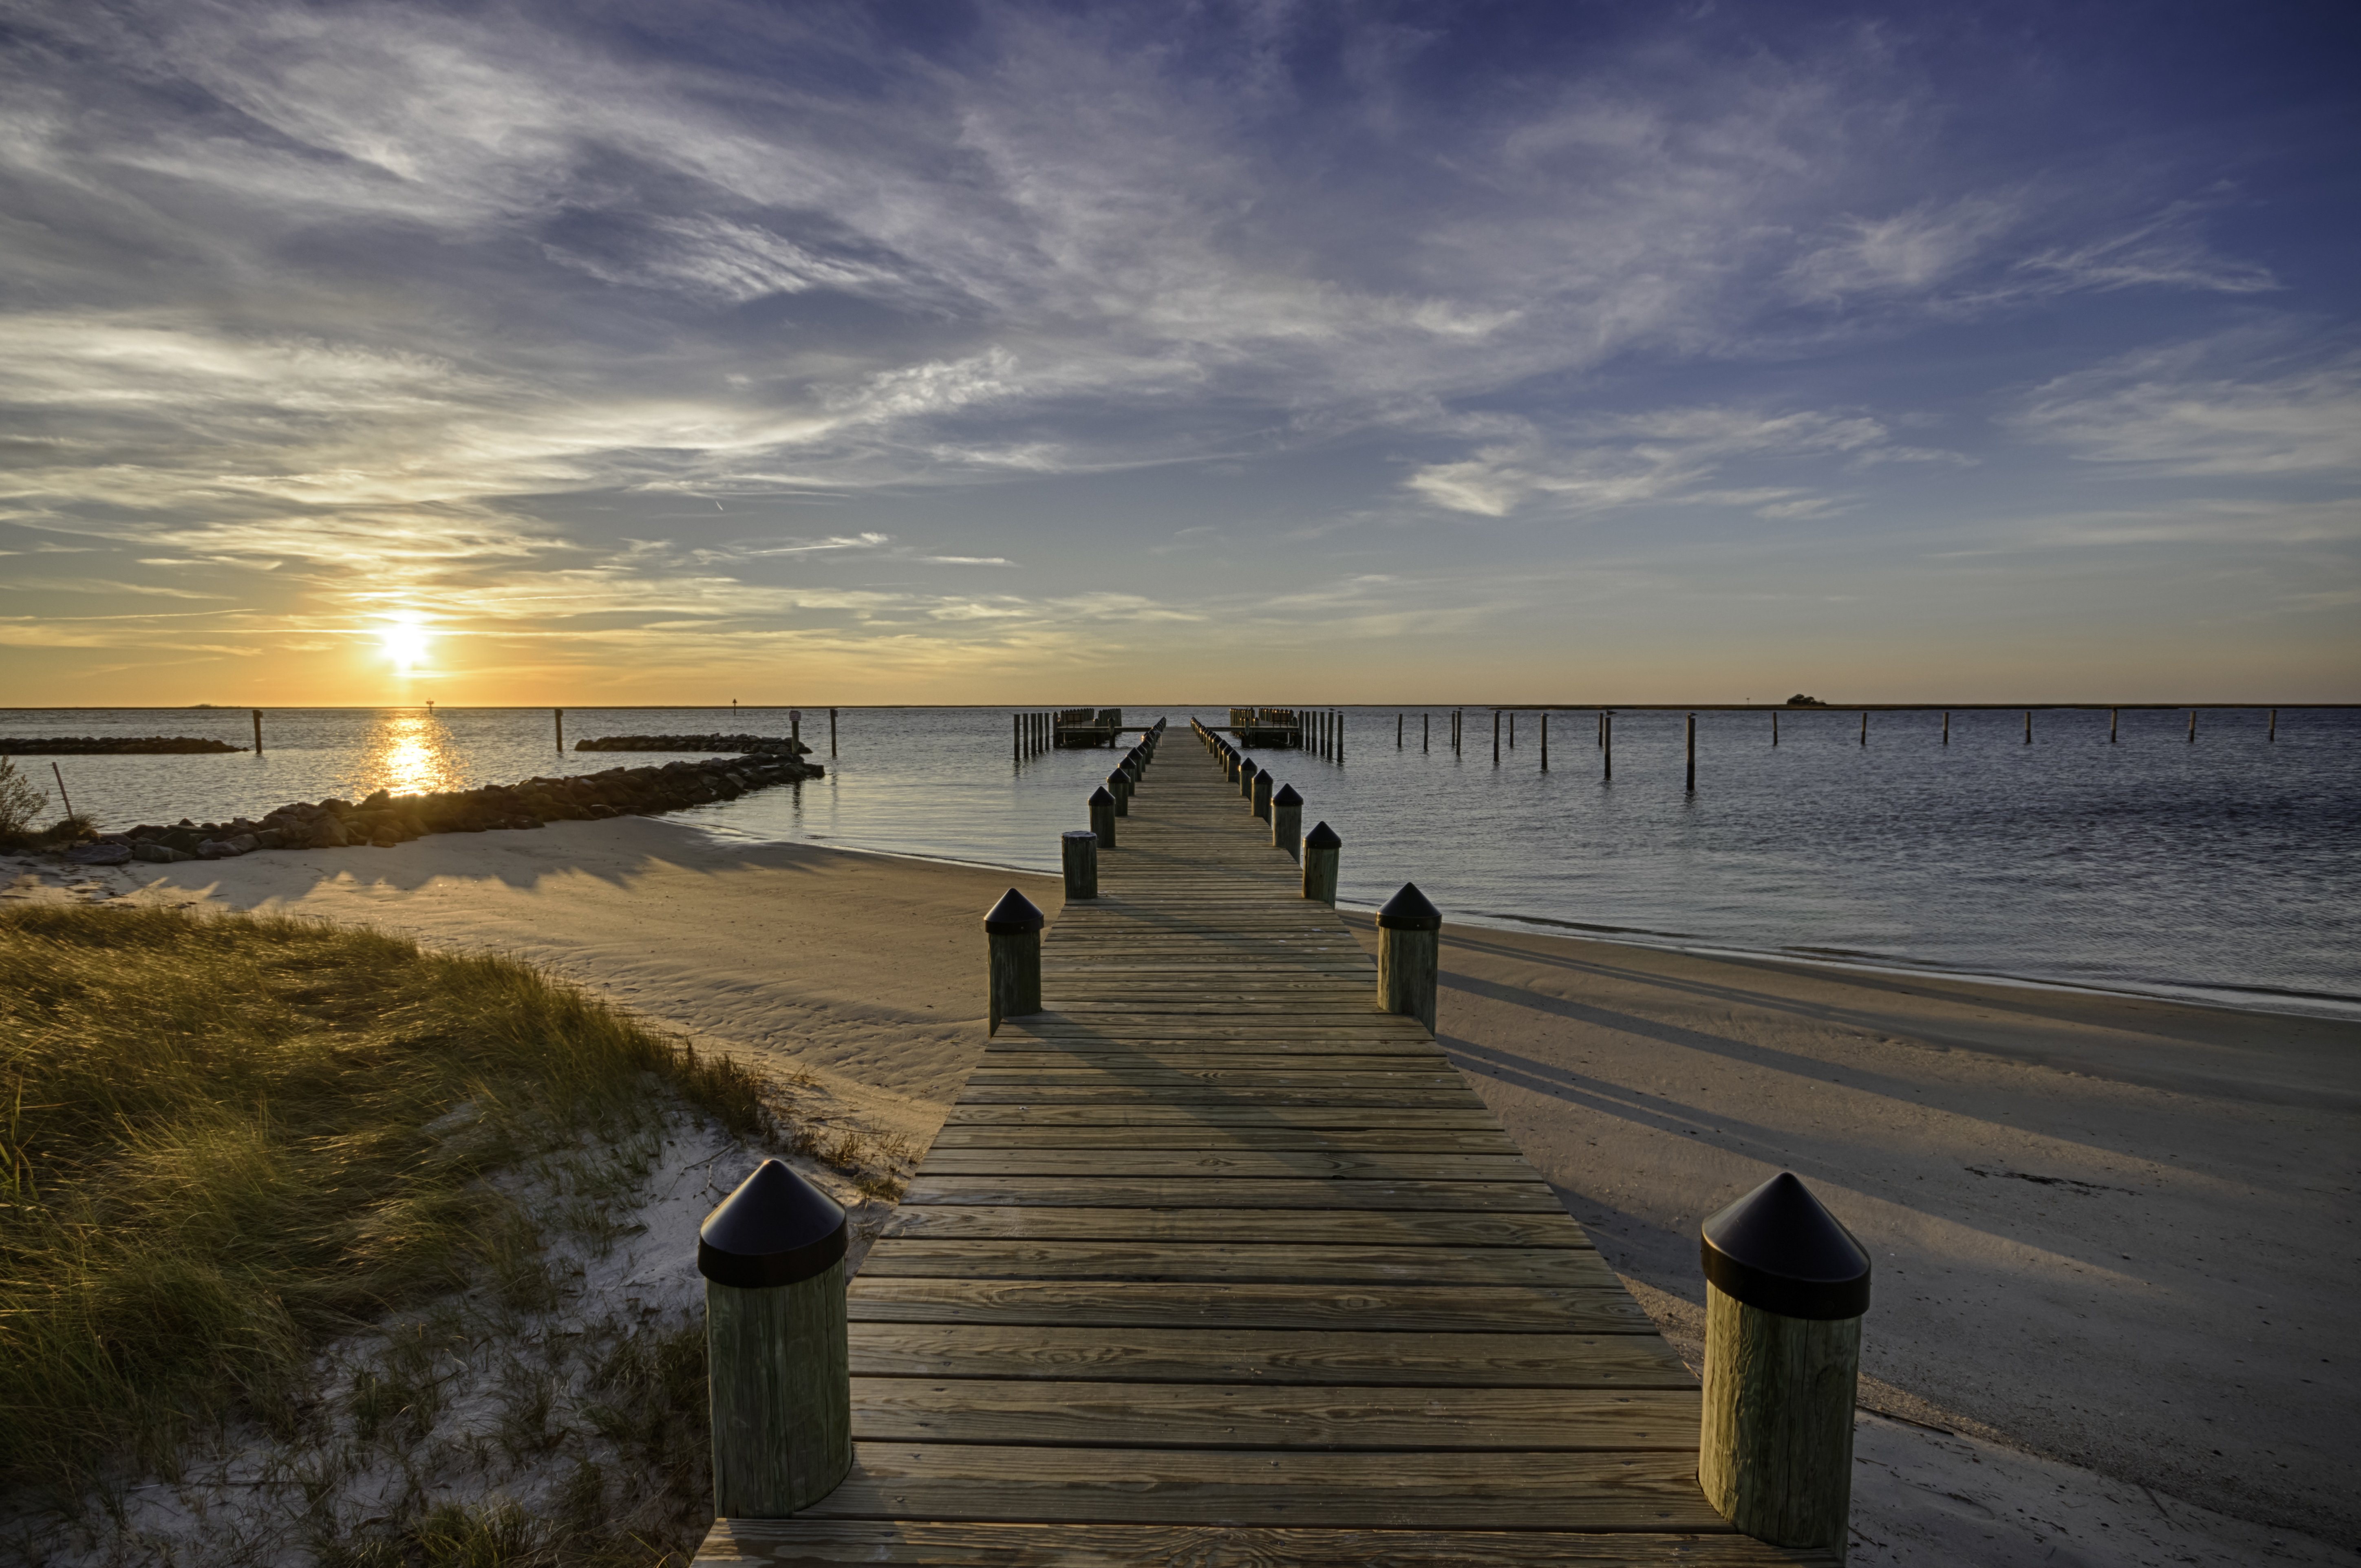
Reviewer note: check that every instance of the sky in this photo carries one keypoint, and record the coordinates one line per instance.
(932, 352)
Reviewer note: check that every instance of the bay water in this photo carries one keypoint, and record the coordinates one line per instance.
(2226, 870)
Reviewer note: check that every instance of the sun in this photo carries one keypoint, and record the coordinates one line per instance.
(405, 641)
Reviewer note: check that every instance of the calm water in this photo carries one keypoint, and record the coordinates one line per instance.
(2225, 869)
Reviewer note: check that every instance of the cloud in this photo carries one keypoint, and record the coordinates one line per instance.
(2230, 407)
(1671, 455)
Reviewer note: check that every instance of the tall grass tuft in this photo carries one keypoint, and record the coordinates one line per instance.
(224, 1139)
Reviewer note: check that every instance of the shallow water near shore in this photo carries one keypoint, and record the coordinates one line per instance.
(2225, 869)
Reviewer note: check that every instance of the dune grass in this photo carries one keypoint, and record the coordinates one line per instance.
(229, 1138)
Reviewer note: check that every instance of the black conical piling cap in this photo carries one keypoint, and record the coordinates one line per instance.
(1286, 795)
(1249, 767)
(1778, 1249)
(1116, 777)
(776, 1229)
(1099, 797)
(1409, 911)
(1322, 836)
(1013, 913)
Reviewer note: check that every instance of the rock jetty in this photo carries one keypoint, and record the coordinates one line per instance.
(745, 745)
(384, 820)
(110, 746)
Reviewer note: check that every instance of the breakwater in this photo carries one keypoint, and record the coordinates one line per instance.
(744, 745)
(111, 746)
(384, 819)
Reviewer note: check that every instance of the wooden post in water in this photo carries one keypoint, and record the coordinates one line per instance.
(1602, 729)
(1397, 730)
(1864, 726)
(1016, 737)
(1606, 743)
(1340, 737)
(1495, 737)
(1545, 739)
(1262, 795)
(1426, 732)
(1102, 816)
(1513, 729)
(1321, 849)
(831, 732)
(2113, 713)
(1287, 822)
(1692, 729)
(777, 1353)
(2028, 727)
(559, 712)
(795, 729)
(1785, 1290)
(561, 742)
(59, 773)
(1774, 727)
(2193, 727)
(1410, 939)
(1081, 850)
(2272, 734)
(1012, 933)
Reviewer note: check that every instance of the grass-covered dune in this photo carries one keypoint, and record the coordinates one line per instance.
(229, 1140)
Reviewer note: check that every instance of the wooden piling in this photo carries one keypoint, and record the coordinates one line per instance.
(1016, 737)
(1120, 788)
(1322, 848)
(1774, 727)
(2272, 734)
(1246, 770)
(1102, 816)
(1012, 934)
(60, 775)
(778, 1357)
(1513, 729)
(559, 714)
(1287, 822)
(1946, 727)
(1081, 852)
(1864, 726)
(2193, 727)
(1262, 795)
(1545, 739)
(1426, 732)
(2113, 713)
(1606, 744)
(1398, 731)
(1495, 737)
(1692, 735)
(1410, 938)
(831, 733)
(561, 739)
(2028, 727)
(1785, 1290)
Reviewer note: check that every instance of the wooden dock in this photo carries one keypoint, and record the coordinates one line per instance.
(1215, 1264)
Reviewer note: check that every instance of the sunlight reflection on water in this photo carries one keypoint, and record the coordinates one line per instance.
(409, 753)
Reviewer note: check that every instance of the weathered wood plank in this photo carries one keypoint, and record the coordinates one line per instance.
(1318, 1227)
(911, 1543)
(1222, 1193)
(1116, 1303)
(1644, 1489)
(1188, 1415)
(1134, 1163)
(915, 1255)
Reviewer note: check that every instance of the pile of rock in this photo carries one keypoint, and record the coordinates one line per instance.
(110, 746)
(384, 820)
(746, 745)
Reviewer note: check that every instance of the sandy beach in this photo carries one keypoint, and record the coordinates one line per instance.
(2113, 1235)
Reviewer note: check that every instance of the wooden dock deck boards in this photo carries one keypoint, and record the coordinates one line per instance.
(1213, 1263)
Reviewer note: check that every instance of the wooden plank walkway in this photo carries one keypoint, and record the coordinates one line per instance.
(1213, 1263)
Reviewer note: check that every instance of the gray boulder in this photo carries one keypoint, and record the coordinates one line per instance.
(163, 854)
(101, 855)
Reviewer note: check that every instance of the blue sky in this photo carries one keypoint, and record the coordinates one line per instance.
(1019, 353)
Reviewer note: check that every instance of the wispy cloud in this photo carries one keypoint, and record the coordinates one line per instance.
(2228, 407)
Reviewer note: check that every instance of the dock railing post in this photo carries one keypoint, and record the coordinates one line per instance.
(1081, 849)
(1102, 816)
(1321, 849)
(777, 1352)
(1785, 1289)
(1012, 933)
(1119, 788)
(1246, 770)
(1410, 940)
(1262, 795)
(1287, 822)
